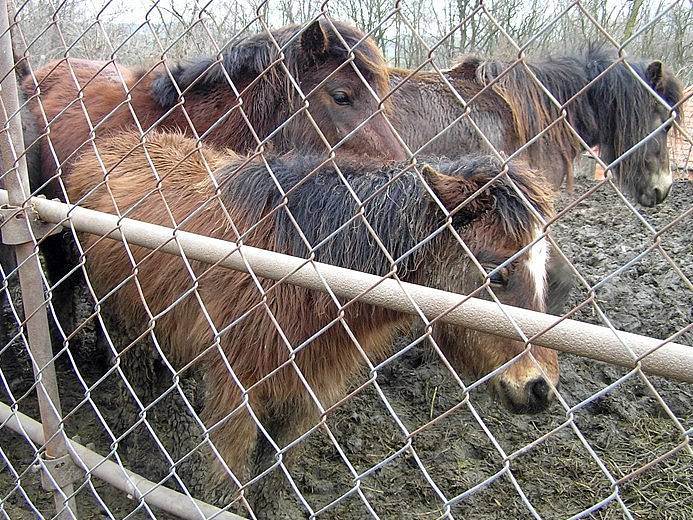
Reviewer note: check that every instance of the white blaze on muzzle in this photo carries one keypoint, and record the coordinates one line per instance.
(537, 257)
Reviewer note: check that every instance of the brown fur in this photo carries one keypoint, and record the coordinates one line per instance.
(504, 109)
(253, 347)
(73, 96)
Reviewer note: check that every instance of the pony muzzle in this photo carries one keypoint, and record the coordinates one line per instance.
(527, 395)
(657, 190)
(384, 141)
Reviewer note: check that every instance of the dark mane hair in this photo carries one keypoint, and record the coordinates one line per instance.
(254, 55)
(611, 110)
(598, 57)
(532, 109)
(340, 238)
(516, 216)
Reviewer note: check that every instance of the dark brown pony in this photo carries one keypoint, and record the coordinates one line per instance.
(212, 98)
(260, 334)
(615, 112)
(247, 94)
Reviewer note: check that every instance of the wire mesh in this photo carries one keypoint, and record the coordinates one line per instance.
(357, 144)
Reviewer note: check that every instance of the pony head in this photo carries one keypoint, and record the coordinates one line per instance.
(634, 124)
(503, 208)
(311, 88)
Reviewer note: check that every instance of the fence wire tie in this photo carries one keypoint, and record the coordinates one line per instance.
(19, 225)
(58, 473)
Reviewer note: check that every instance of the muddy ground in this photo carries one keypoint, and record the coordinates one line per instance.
(626, 427)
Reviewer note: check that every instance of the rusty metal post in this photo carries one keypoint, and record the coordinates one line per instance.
(58, 469)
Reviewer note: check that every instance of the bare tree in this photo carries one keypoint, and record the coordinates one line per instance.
(454, 27)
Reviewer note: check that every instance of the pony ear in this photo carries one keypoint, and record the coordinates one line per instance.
(466, 68)
(454, 190)
(655, 73)
(314, 40)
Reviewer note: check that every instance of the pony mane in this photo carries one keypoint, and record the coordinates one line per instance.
(532, 110)
(401, 215)
(502, 195)
(398, 207)
(618, 83)
(613, 96)
(254, 55)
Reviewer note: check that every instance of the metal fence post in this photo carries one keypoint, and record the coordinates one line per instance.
(58, 469)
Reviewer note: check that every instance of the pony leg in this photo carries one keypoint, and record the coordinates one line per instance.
(248, 453)
(234, 432)
(561, 280)
(570, 175)
(291, 420)
(60, 258)
(235, 441)
(286, 424)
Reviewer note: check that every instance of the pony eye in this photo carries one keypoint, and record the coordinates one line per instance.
(499, 277)
(341, 98)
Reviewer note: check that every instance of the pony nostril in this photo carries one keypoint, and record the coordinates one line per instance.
(658, 195)
(539, 392)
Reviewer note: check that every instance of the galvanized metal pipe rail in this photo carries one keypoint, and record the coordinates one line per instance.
(131, 483)
(668, 359)
(57, 465)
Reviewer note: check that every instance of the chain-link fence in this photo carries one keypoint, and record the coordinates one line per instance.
(346, 260)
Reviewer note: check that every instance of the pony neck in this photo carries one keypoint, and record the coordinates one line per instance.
(594, 65)
(218, 119)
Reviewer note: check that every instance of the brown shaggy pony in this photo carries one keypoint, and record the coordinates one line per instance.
(506, 103)
(243, 97)
(258, 341)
